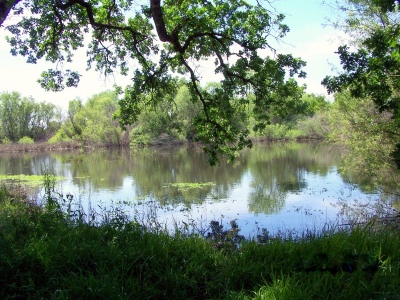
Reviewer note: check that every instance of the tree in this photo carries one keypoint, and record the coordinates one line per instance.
(9, 115)
(233, 33)
(158, 122)
(5, 8)
(92, 122)
(186, 112)
(370, 136)
(311, 104)
(43, 120)
(74, 107)
(359, 19)
(372, 69)
(99, 124)
(23, 117)
(366, 112)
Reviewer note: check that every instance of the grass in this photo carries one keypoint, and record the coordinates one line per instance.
(47, 253)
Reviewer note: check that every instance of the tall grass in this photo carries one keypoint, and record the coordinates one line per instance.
(50, 253)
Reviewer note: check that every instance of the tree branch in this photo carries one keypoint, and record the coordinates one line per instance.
(164, 36)
(89, 11)
(5, 8)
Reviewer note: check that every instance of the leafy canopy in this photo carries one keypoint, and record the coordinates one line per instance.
(372, 70)
(365, 116)
(126, 36)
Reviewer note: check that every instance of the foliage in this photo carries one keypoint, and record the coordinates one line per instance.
(287, 104)
(74, 126)
(23, 117)
(139, 138)
(26, 140)
(359, 19)
(311, 104)
(369, 135)
(174, 116)
(316, 126)
(97, 117)
(371, 70)
(366, 117)
(234, 34)
(60, 136)
(186, 112)
(302, 120)
(156, 122)
(6, 141)
(275, 131)
(92, 122)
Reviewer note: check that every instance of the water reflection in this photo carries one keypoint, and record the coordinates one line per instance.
(269, 180)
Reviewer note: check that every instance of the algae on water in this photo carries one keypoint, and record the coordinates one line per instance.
(184, 186)
(29, 180)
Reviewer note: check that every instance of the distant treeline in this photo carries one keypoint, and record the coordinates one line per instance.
(171, 120)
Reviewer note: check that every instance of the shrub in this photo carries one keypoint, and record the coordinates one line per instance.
(60, 136)
(6, 141)
(317, 126)
(275, 131)
(294, 134)
(138, 138)
(26, 140)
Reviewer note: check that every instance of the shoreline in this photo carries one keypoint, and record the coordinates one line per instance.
(62, 146)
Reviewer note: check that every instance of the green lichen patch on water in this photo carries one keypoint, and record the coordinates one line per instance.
(27, 180)
(184, 186)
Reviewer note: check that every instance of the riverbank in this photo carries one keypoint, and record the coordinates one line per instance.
(162, 141)
(61, 146)
(49, 253)
(37, 147)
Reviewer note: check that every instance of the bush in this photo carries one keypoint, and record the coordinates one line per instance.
(293, 134)
(138, 138)
(60, 136)
(275, 131)
(26, 140)
(317, 126)
(6, 141)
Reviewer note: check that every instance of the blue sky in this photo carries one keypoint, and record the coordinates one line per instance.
(308, 39)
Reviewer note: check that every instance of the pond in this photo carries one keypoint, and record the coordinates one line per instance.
(278, 186)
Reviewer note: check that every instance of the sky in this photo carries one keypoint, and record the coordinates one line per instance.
(308, 39)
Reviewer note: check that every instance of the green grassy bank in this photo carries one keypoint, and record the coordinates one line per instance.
(47, 254)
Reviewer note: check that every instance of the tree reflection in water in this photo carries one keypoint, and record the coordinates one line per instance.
(264, 182)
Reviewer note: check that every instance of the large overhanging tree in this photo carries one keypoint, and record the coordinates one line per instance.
(232, 33)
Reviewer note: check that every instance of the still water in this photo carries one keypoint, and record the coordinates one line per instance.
(274, 186)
